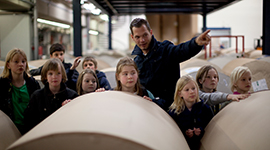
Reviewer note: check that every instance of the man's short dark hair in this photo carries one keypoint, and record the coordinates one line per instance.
(56, 47)
(138, 22)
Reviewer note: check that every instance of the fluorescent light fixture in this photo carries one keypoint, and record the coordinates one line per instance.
(104, 17)
(53, 23)
(96, 11)
(93, 32)
(89, 6)
(92, 8)
(114, 21)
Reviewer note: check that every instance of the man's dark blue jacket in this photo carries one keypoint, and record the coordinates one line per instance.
(160, 68)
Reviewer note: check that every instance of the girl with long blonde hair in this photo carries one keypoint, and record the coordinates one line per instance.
(189, 112)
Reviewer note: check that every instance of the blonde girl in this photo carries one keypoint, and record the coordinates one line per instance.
(16, 87)
(54, 94)
(241, 80)
(87, 82)
(189, 112)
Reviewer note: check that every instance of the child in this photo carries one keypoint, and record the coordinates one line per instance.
(87, 82)
(241, 80)
(16, 87)
(126, 76)
(207, 79)
(189, 112)
(58, 51)
(91, 63)
(54, 94)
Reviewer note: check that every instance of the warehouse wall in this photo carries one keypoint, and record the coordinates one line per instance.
(15, 33)
(243, 17)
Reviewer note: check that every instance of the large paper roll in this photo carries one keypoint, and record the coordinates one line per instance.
(228, 68)
(267, 58)
(256, 54)
(105, 120)
(195, 62)
(8, 131)
(2, 66)
(36, 63)
(221, 61)
(240, 125)
(260, 72)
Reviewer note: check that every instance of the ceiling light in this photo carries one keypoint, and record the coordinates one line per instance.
(114, 21)
(96, 11)
(82, 1)
(93, 32)
(53, 23)
(89, 6)
(104, 17)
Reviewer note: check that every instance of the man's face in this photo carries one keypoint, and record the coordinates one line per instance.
(58, 54)
(142, 37)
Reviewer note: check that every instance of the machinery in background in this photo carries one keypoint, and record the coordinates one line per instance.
(258, 44)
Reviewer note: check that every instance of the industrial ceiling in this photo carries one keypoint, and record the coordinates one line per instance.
(133, 7)
(130, 7)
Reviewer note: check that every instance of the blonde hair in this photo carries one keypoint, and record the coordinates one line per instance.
(202, 73)
(52, 64)
(236, 74)
(6, 72)
(179, 104)
(127, 61)
(80, 80)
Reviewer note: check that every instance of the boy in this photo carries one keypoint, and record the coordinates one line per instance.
(91, 63)
(57, 51)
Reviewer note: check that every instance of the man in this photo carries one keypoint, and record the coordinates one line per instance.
(158, 62)
(57, 51)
